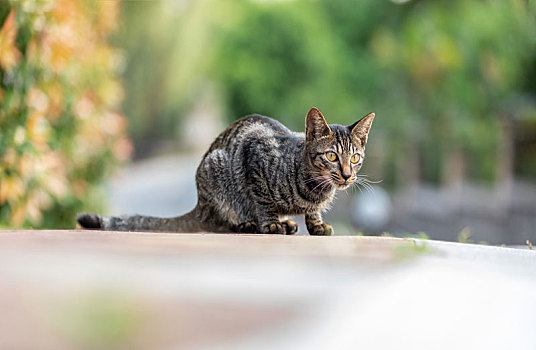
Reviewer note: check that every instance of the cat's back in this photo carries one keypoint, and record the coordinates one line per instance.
(254, 126)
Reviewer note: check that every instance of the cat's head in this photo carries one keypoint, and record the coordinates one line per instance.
(336, 152)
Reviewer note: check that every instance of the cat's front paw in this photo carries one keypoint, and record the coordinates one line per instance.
(320, 229)
(290, 227)
(247, 227)
(274, 228)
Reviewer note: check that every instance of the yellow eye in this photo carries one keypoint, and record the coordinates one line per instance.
(331, 156)
(355, 158)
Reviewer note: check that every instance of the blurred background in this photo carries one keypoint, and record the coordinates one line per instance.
(89, 87)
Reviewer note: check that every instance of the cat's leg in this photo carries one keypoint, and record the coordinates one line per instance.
(268, 221)
(316, 226)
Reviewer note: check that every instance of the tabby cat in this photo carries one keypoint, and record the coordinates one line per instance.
(257, 172)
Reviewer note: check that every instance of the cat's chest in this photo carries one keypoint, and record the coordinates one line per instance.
(297, 205)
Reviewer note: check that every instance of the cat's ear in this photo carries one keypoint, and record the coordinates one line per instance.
(360, 129)
(315, 125)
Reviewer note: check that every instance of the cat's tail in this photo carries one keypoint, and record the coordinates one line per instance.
(188, 222)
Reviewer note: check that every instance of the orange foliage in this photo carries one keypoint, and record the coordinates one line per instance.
(59, 115)
(9, 55)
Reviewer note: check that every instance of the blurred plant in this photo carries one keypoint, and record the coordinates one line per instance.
(60, 132)
(411, 248)
(462, 64)
(98, 320)
(281, 58)
(441, 77)
(464, 235)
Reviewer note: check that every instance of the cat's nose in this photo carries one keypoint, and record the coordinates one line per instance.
(346, 176)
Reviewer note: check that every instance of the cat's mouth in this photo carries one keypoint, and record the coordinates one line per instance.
(342, 184)
(332, 180)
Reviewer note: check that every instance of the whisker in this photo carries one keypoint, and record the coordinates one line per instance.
(363, 183)
(369, 188)
(315, 178)
(357, 185)
(316, 173)
(372, 182)
(364, 177)
(323, 182)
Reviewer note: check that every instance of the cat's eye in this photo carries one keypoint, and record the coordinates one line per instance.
(355, 158)
(331, 156)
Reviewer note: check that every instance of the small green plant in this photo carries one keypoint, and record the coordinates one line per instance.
(418, 235)
(411, 249)
(101, 320)
(464, 235)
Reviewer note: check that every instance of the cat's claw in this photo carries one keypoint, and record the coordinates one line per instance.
(321, 229)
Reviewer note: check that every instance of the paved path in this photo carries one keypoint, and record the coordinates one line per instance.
(109, 290)
(163, 186)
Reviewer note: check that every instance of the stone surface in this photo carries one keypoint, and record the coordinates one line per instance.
(110, 290)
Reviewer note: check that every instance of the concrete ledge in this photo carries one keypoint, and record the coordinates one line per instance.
(90, 289)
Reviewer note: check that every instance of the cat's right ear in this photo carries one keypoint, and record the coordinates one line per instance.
(315, 125)
(361, 129)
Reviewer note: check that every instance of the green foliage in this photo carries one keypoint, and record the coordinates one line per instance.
(291, 61)
(60, 133)
(149, 51)
(439, 75)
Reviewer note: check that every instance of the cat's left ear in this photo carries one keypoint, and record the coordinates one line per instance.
(360, 129)
(315, 125)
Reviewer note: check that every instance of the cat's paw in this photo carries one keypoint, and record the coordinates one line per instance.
(274, 227)
(247, 227)
(290, 227)
(321, 229)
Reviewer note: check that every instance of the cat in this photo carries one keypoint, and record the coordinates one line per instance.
(257, 172)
